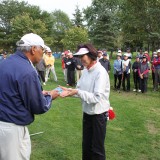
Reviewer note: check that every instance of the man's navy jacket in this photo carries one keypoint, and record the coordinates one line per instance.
(20, 91)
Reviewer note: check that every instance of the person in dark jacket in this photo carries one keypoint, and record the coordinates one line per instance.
(21, 97)
(105, 63)
(143, 73)
(136, 77)
(79, 68)
(41, 66)
(70, 69)
(156, 63)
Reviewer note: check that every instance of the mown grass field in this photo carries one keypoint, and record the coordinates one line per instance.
(133, 135)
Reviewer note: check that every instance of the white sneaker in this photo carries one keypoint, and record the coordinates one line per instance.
(134, 90)
(44, 83)
(139, 90)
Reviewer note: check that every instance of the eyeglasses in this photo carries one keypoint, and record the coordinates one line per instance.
(43, 49)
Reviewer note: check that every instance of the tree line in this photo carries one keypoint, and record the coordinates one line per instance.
(107, 24)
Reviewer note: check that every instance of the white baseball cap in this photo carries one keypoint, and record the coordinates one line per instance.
(70, 53)
(126, 55)
(82, 51)
(158, 51)
(47, 49)
(119, 54)
(31, 39)
(119, 51)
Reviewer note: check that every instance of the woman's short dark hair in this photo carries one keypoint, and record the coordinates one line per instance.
(92, 50)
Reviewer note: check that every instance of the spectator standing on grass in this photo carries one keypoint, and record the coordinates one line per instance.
(105, 62)
(41, 67)
(156, 63)
(126, 67)
(136, 77)
(63, 57)
(144, 73)
(21, 98)
(49, 61)
(154, 55)
(71, 65)
(93, 89)
(79, 68)
(117, 71)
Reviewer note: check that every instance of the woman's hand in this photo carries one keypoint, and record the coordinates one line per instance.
(68, 92)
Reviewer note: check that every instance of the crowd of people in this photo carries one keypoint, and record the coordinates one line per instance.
(123, 68)
(142, 65)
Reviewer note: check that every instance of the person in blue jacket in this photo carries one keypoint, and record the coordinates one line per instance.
(117, 71)
(21, 97)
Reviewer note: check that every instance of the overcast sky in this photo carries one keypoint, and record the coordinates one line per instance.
(68, 6)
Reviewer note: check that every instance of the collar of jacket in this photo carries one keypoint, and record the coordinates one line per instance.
(22, 55)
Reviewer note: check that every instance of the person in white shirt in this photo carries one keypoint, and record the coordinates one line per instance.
(126, 66)
(93, 88)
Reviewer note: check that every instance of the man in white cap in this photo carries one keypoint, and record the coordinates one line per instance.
(49, 61)
(156, 63)
(21, 97)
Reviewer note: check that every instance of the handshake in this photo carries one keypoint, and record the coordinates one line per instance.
(61, 91)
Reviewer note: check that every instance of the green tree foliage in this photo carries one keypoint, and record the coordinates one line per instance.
(140, 22)
(61, 23)
(18, 18)
(75, 36)
(78, 17)
(100, 17)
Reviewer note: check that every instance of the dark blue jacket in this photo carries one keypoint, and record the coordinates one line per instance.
(20, 91)
(105, 64)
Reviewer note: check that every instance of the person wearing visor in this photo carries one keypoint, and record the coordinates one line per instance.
(93, 88)
(21, 97)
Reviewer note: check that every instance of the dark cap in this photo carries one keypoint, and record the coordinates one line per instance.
(104, 54)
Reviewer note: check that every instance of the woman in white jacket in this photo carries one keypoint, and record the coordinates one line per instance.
(93, 88)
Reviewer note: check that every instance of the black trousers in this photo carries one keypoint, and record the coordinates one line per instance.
(119, 77)
(136, 79)
(153, 79)
(71, 77)
(94, 132)
(126, 77)
(144, 84)
(42, 76)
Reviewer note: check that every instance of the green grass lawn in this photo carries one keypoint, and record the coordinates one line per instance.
(133, 135)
